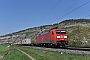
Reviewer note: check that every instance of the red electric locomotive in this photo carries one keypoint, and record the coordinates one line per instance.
(54, 37)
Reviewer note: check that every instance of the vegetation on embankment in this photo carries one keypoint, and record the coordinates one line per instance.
(50, 55)
(79, 36)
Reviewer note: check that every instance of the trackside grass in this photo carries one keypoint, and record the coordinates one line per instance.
(3, 49)
(34, 54)
(50, 55)
(16, 55)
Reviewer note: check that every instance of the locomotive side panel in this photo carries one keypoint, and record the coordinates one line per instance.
(45, 38)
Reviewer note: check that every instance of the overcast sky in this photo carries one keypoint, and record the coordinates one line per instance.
(16, 15)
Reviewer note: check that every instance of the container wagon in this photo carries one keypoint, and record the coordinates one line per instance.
(26, 41)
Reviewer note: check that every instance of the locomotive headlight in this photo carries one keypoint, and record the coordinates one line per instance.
(58, 36)
(65, 36)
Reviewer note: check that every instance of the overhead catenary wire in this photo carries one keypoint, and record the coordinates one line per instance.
(86, 16)
(72, 11)
(84, 12)
(50, 11)
(68, 8)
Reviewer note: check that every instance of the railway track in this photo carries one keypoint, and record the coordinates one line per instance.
(76, 48)
(71, 50)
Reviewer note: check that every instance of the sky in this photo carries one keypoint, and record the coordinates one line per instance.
(16, 15)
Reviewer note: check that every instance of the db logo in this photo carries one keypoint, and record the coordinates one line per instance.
(61, 36)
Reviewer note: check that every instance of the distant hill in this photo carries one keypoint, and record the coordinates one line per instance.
(32, 32)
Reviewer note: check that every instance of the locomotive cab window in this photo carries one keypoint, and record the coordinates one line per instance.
(60, 32)
(63, 32)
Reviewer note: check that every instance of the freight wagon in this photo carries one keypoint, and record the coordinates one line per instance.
(18, 43)
(26, 41)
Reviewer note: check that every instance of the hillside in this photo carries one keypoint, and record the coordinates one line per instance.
(32, 32)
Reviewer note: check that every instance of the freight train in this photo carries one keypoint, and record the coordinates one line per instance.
(56, 37)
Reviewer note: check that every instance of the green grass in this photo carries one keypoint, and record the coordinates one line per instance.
(49, 55)
(34, 54)
(42, 55)
(16, 55)
(3, 49)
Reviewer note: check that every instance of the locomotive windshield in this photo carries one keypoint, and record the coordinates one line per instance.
(60, 32)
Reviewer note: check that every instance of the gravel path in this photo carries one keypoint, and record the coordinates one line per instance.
(65, 50)
(1, 56)
(27, 54)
